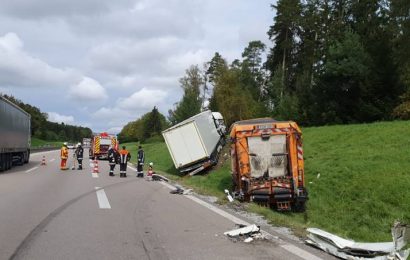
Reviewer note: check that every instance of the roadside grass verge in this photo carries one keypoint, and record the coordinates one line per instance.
(363, 186)
(37, 143)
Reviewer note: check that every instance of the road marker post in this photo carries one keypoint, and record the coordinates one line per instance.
(43, 161)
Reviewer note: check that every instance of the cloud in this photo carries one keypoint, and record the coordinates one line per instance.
(19, 69)
(143, 99)
(88, 89)
(34, 9)
(114, 130)
(58, 118)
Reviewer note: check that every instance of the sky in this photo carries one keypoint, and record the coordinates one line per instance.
(104, 63)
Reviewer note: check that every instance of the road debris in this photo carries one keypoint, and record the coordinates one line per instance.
(244, 233)
(157, 177)
(181, 191)
(228, 195)
(352, 250)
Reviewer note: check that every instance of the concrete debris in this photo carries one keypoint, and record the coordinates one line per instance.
(351, 250)
(228, 195)
(244, 233)
(248, 240)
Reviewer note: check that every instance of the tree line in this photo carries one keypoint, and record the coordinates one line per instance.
(332, 62)
(43, 129)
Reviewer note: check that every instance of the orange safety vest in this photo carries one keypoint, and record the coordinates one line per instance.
(64, 152)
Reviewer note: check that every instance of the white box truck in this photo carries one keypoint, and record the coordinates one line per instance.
(194, 144)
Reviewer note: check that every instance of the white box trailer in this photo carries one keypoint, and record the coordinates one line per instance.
(15, 134)
(194, 143)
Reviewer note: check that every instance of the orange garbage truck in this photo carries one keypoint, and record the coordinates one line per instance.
(267, 163)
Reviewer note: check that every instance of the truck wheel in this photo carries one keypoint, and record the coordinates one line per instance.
(2, 166)
(300, 206)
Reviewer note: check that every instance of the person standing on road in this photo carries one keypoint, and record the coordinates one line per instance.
(125, 156)
(64, 157)
(79, 152)
(112, 159)
(140, 163)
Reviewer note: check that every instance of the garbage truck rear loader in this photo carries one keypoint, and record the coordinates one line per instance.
(267, 163)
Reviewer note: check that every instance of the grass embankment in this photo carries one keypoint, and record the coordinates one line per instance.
(38, 143)
(363, 185)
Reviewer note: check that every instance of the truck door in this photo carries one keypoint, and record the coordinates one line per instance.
(268, 157)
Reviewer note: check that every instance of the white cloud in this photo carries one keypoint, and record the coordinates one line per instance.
(58, 118)
(88, 89)
(143, 99)
(20, 69)
(114, 130)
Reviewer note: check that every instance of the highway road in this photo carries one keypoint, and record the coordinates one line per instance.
(47, 213)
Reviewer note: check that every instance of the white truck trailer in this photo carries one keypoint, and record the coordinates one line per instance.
(195, 143)
(15, 134)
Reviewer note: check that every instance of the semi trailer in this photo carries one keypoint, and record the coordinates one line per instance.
(15, 135)
(195, 143)
(267, 163)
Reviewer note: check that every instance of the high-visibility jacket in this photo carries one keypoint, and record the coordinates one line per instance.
(64, 152)
(125, 156)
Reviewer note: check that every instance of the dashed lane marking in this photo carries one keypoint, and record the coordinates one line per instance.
(94, 175)
(103, 202)
(52, 160)
(32, 169)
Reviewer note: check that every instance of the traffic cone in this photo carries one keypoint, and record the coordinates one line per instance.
(95, 170)
(43, 162)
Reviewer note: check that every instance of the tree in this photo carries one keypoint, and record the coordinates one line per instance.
(191, 102)
(152, 124)
(284, 33)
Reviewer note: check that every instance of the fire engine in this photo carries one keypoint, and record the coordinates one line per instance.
(100, 144)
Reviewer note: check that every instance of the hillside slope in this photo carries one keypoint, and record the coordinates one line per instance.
(363, 185)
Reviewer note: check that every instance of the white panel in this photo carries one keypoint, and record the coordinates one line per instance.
(184, 145)
(261, 155)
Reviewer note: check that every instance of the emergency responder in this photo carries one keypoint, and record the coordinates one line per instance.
(124, 157)
(79, 152)
(141, 159)
(112, 159)
(64, 157)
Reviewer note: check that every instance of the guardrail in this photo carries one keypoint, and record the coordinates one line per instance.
(43, 148)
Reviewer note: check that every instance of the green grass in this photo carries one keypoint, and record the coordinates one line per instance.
(363, 186)
(37, 143)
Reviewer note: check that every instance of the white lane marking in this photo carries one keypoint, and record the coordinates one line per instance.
(94, 174)
(288, 247)
(300, 252)
(52, 160)
(32, 169)
(102, 199)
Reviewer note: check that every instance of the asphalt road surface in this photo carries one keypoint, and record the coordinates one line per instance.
(47, 213)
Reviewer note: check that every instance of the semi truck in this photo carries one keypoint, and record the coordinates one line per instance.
(194, 144)
(100, 144)
(15, 135)
(267, 163)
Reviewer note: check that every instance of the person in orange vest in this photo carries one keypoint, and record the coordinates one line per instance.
(64, 157)
(125, 156)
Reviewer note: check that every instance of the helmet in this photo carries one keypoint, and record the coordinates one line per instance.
(65, 143)
(79, 144)
(151, 164)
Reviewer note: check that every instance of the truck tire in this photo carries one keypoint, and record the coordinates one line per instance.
(2, 165)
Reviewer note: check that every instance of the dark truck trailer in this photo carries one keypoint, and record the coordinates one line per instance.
(15, 135)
